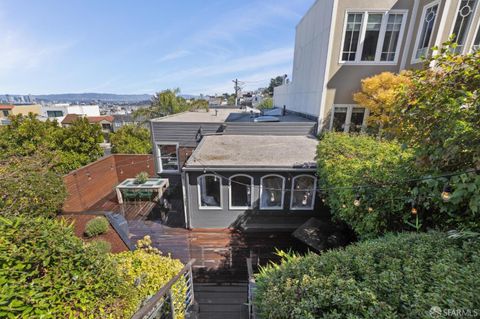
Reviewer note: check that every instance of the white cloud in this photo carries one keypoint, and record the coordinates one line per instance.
(174, 55)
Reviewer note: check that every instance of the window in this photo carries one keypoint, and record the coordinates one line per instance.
(303, 192)
(241, 188)
(272, 191)
(5, 112)
(54, 113)
(429, 15)
(167, 155)
(209, 192)
(476, 41)
(462, 23)
(350, 118)
(376, 35)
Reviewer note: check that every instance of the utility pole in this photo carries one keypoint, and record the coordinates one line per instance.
(237, 88)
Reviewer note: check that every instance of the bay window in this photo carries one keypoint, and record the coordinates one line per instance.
(372, 37)
(303, 192)
(463, 20)
(209, 192)
(429, 16)
(348, 118)
(167, 157)
(272, 191)
(241, 188)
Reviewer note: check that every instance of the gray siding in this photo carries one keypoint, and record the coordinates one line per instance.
(287, 128)
(182, 133)
(248, 219)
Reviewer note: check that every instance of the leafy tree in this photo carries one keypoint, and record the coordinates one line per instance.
(266, 103)
(199, 104)
(164, 103)
(131, 139)
(379, 95)
(277, 81)
(29, 187)
(439, 112)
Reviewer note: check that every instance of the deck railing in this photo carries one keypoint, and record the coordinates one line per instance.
(162, 304)
(251, 290)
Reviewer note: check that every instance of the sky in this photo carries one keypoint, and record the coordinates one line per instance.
(137, 47)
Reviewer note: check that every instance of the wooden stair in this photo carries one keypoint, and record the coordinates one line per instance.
(221, 301)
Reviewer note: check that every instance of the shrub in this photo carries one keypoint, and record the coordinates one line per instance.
(346, 161)
(28, 187)
(131, 139)
(397, 276)
(47, 272)
(97, 226)
(141, 178)
(100, 246)
(145, 270)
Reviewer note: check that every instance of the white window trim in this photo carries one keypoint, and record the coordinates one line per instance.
(358, 54)
(467, 30)
(313, 193)
(477, 29)
(199, 195)
(283, 193)
(417, 40)
(348, 119)
(159, 157)
(230, 206)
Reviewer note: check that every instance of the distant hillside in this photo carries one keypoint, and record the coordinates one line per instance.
(88, 97)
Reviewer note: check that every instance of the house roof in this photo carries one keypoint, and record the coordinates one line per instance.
(70, 118)
(255, 152)
(6, 107)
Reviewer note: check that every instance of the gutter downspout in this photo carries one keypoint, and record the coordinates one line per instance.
(185, 199)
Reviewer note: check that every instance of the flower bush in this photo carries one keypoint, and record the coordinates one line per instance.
(397, 276)
(96, 226)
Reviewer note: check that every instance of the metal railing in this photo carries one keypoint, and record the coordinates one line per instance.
(162, 304)
(251, 290)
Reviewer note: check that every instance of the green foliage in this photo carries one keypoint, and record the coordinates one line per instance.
(131, 139)
(66, 148)
(164, 103)
(47, 272)
(266, 103)
(101, 246)
(346, 161)
(397, 276)
(439, 112)
(274, 82)
(28, 187)
(145, 270)
(199, 105)
(96, 226)
(141, 178)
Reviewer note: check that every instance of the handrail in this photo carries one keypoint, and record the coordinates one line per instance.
(159, 298)
(251, 290)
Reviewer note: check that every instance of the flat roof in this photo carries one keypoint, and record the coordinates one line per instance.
(254, 151)
(224, 115)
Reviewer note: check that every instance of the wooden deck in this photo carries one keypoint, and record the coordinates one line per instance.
(219, 254)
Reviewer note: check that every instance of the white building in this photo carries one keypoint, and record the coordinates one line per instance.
(59, 111)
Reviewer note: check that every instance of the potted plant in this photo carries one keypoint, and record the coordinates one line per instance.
(141, 178)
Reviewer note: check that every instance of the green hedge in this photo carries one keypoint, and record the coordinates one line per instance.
(47, 272)
(97, 226)
(352, 160)
(397, 276)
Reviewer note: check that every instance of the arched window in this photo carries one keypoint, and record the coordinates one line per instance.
(209, 192)
(241, 192)
(303, 192)
(272, 191)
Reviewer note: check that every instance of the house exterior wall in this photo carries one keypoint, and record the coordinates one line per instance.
(26, 109)
(255, 218)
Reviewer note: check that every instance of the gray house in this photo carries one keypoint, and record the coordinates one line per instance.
(231, 168)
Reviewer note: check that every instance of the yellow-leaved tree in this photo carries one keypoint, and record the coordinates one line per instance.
(378, 95)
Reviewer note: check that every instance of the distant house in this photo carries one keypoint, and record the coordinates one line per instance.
(25, 109)
(231, 168)
(120, 120)
(105, 121)
(59, 111)
(5, 112)
(340, 42)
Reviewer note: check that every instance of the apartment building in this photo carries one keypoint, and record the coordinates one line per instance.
(340, 42)
(61, 110)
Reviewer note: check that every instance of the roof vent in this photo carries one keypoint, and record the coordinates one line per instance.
(267, 119)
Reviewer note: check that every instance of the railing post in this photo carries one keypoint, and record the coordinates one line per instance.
(172, 304)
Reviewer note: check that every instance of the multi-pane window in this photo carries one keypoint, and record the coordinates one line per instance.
(54, 113)
(352, 35)
(209, 192)
(348, 118)
(303, 192)
(462, 23)
(167, 155)
(428, 22)
(272, 190)
(241, 187)
(372, 36)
